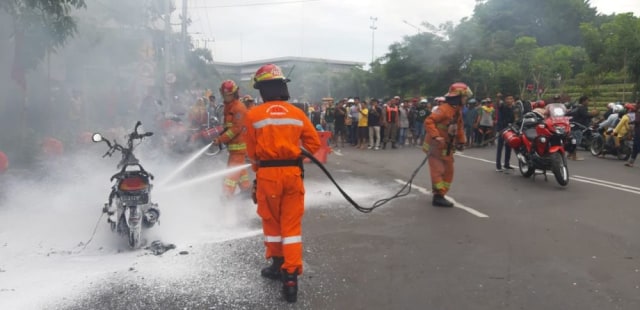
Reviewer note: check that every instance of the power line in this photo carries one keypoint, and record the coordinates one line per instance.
(251, 4)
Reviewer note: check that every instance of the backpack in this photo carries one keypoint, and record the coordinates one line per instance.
(486, 119)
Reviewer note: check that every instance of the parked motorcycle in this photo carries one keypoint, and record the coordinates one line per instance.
(603, 144)
(540, 142)
(129, 207)
(588, 134)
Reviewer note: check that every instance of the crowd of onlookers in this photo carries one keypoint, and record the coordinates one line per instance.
(377, 124)
(372, 124)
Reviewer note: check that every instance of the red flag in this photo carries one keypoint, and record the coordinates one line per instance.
(17, 69)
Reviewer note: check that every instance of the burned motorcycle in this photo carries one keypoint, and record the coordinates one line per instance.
(129, 207)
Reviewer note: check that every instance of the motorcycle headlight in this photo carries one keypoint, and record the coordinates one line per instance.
(574, 141)
(560, 130)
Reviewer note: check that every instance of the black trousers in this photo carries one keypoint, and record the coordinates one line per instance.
(507, 153)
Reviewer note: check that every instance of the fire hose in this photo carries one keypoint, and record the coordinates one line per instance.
(404, 191)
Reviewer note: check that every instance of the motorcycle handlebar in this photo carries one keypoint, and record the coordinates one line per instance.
(135, 130)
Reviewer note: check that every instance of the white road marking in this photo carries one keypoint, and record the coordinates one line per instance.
(583, 179)
(605, 185)
(455, 203)
(475, 158)
(607, 182)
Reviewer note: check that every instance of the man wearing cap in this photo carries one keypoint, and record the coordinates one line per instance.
(445, 128)
(275, 130)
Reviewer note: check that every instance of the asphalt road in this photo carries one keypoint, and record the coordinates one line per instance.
(526, 244)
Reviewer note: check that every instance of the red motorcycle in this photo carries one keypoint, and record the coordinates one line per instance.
(540, 142)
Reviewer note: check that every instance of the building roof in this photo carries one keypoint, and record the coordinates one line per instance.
(291, 58)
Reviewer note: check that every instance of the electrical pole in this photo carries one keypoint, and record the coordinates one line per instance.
(185, 40)
(373, 34)
(167, 48)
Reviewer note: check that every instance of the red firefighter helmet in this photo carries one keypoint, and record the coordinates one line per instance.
(228, 87)
(268, 72)
(459, 89)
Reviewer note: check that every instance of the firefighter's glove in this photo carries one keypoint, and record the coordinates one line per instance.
(254, 190)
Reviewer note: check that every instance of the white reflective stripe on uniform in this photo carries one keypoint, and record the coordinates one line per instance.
(292, 239)
(272, 239)
(277, 121)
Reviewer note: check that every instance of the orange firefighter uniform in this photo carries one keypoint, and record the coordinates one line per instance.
(274, 131)
(234, 116)
(444, 130)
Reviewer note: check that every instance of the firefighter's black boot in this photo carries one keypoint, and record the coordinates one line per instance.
(273, 272)
(440, 201)
(290, 286)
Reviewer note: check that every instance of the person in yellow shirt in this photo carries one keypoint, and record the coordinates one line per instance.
(363, 124)
(623, 127)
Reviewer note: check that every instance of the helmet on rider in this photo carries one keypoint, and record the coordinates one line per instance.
(618, 108)
(630, 107)
(541, 104)
(271, 82)
(610, 105)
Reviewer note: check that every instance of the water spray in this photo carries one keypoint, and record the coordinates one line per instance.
(206, 177)
(184, 165)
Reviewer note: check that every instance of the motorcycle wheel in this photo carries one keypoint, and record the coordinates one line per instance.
(624, 153)
(586, 142)
(597, 145)
(560, 169)
(134, 238)
(525, 169)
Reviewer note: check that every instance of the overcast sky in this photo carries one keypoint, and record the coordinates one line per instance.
(246, 30)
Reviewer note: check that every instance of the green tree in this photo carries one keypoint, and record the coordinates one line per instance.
(45, 24)
(482, 74)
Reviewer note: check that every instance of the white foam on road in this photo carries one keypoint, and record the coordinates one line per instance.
(455, 203)
(43, 221)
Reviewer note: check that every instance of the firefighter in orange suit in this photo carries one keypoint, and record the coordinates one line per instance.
(444, 133)
(274, 132)
(234, 116)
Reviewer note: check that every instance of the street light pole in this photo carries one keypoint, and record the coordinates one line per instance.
(373, 34)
